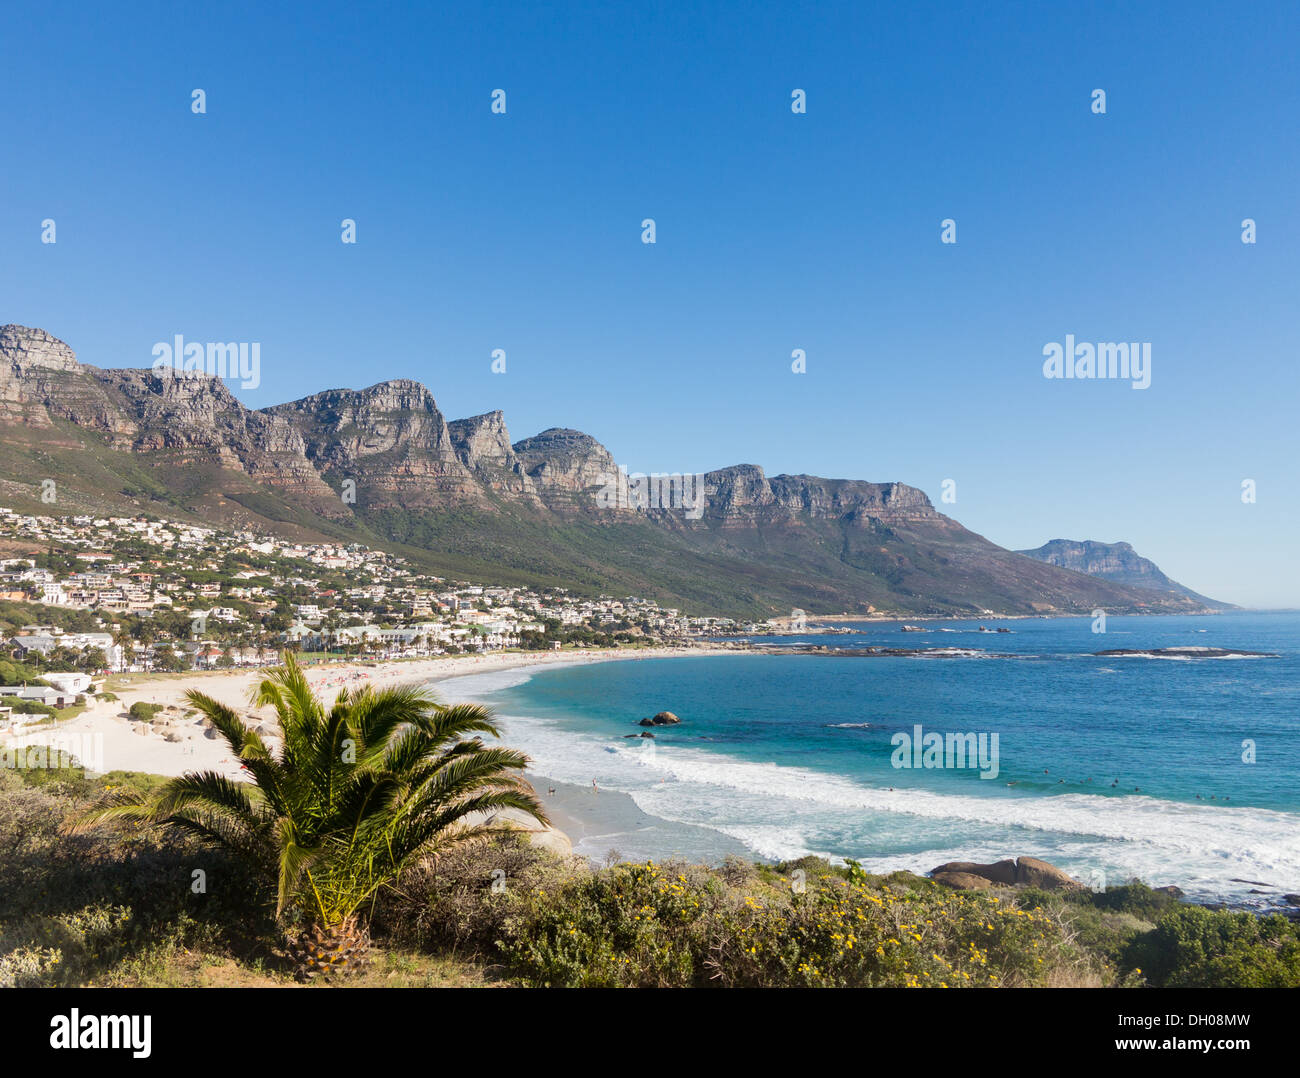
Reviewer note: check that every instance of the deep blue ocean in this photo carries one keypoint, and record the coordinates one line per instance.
(1111, 767)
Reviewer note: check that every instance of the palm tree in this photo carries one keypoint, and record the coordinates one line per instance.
(357, 793)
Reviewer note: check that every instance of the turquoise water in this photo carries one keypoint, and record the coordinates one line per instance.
(1099, 760)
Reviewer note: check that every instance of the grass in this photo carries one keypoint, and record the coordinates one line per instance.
(175, 968)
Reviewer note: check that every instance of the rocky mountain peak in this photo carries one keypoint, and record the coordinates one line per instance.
(27, 348)
(464, 491)
(565, 465)
(482, 439)
(1117, 562)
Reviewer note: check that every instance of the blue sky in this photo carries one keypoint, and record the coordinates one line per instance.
(775, 231)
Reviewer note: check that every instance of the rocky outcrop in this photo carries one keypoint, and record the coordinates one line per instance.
(482, 441)
(569, 468)
(1031, 872)
(1003, 872)
(34, 349)
(40, 377)
(961, 881)
(390, 440)
(483, 445)
(742, 496)
(1024, 872)
(663, 718)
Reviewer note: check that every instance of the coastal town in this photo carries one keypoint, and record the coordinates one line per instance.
(82, 597)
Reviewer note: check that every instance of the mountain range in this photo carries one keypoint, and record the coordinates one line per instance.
(384, 467)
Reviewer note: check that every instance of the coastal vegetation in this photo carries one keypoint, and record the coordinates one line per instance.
(379, 842)
(143, 711)
(361, 790)
(119, 906)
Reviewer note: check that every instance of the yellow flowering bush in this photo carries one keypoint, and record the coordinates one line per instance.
(647, 925)
(853, 933)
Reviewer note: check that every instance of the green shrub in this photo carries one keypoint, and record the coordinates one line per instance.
(73, 909)
(1194, 947)
(144, 712)
(30, 707)
(449, 903)
(648, 925)
(1134, 897)
(627, 925)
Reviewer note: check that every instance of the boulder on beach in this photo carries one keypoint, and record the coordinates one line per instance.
(961, 881)
(1031, 872)
(1000, 872)
(1027, 872)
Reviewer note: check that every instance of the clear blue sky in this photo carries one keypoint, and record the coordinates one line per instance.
(775, 231)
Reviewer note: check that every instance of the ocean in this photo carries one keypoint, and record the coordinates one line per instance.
(1176, 771)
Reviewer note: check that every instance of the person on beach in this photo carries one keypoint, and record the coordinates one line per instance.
(594, 789)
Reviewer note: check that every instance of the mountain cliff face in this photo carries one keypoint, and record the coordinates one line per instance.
(743, 495)
(390, 440)
(1117, 562)
(482, 444)
(384, 465)
(566, 468)
(40, 374)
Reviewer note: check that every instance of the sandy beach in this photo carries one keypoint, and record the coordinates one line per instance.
(107, 739)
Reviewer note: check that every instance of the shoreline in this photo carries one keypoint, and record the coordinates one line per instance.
(584, 823)
(176, 742)
(104, 738)
(597, 823)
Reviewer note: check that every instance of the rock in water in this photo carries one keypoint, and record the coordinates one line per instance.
(663, 718)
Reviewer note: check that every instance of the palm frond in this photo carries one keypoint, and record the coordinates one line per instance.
(359, 790)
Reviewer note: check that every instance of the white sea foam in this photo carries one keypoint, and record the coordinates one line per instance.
(781, 812)
(471, 688)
